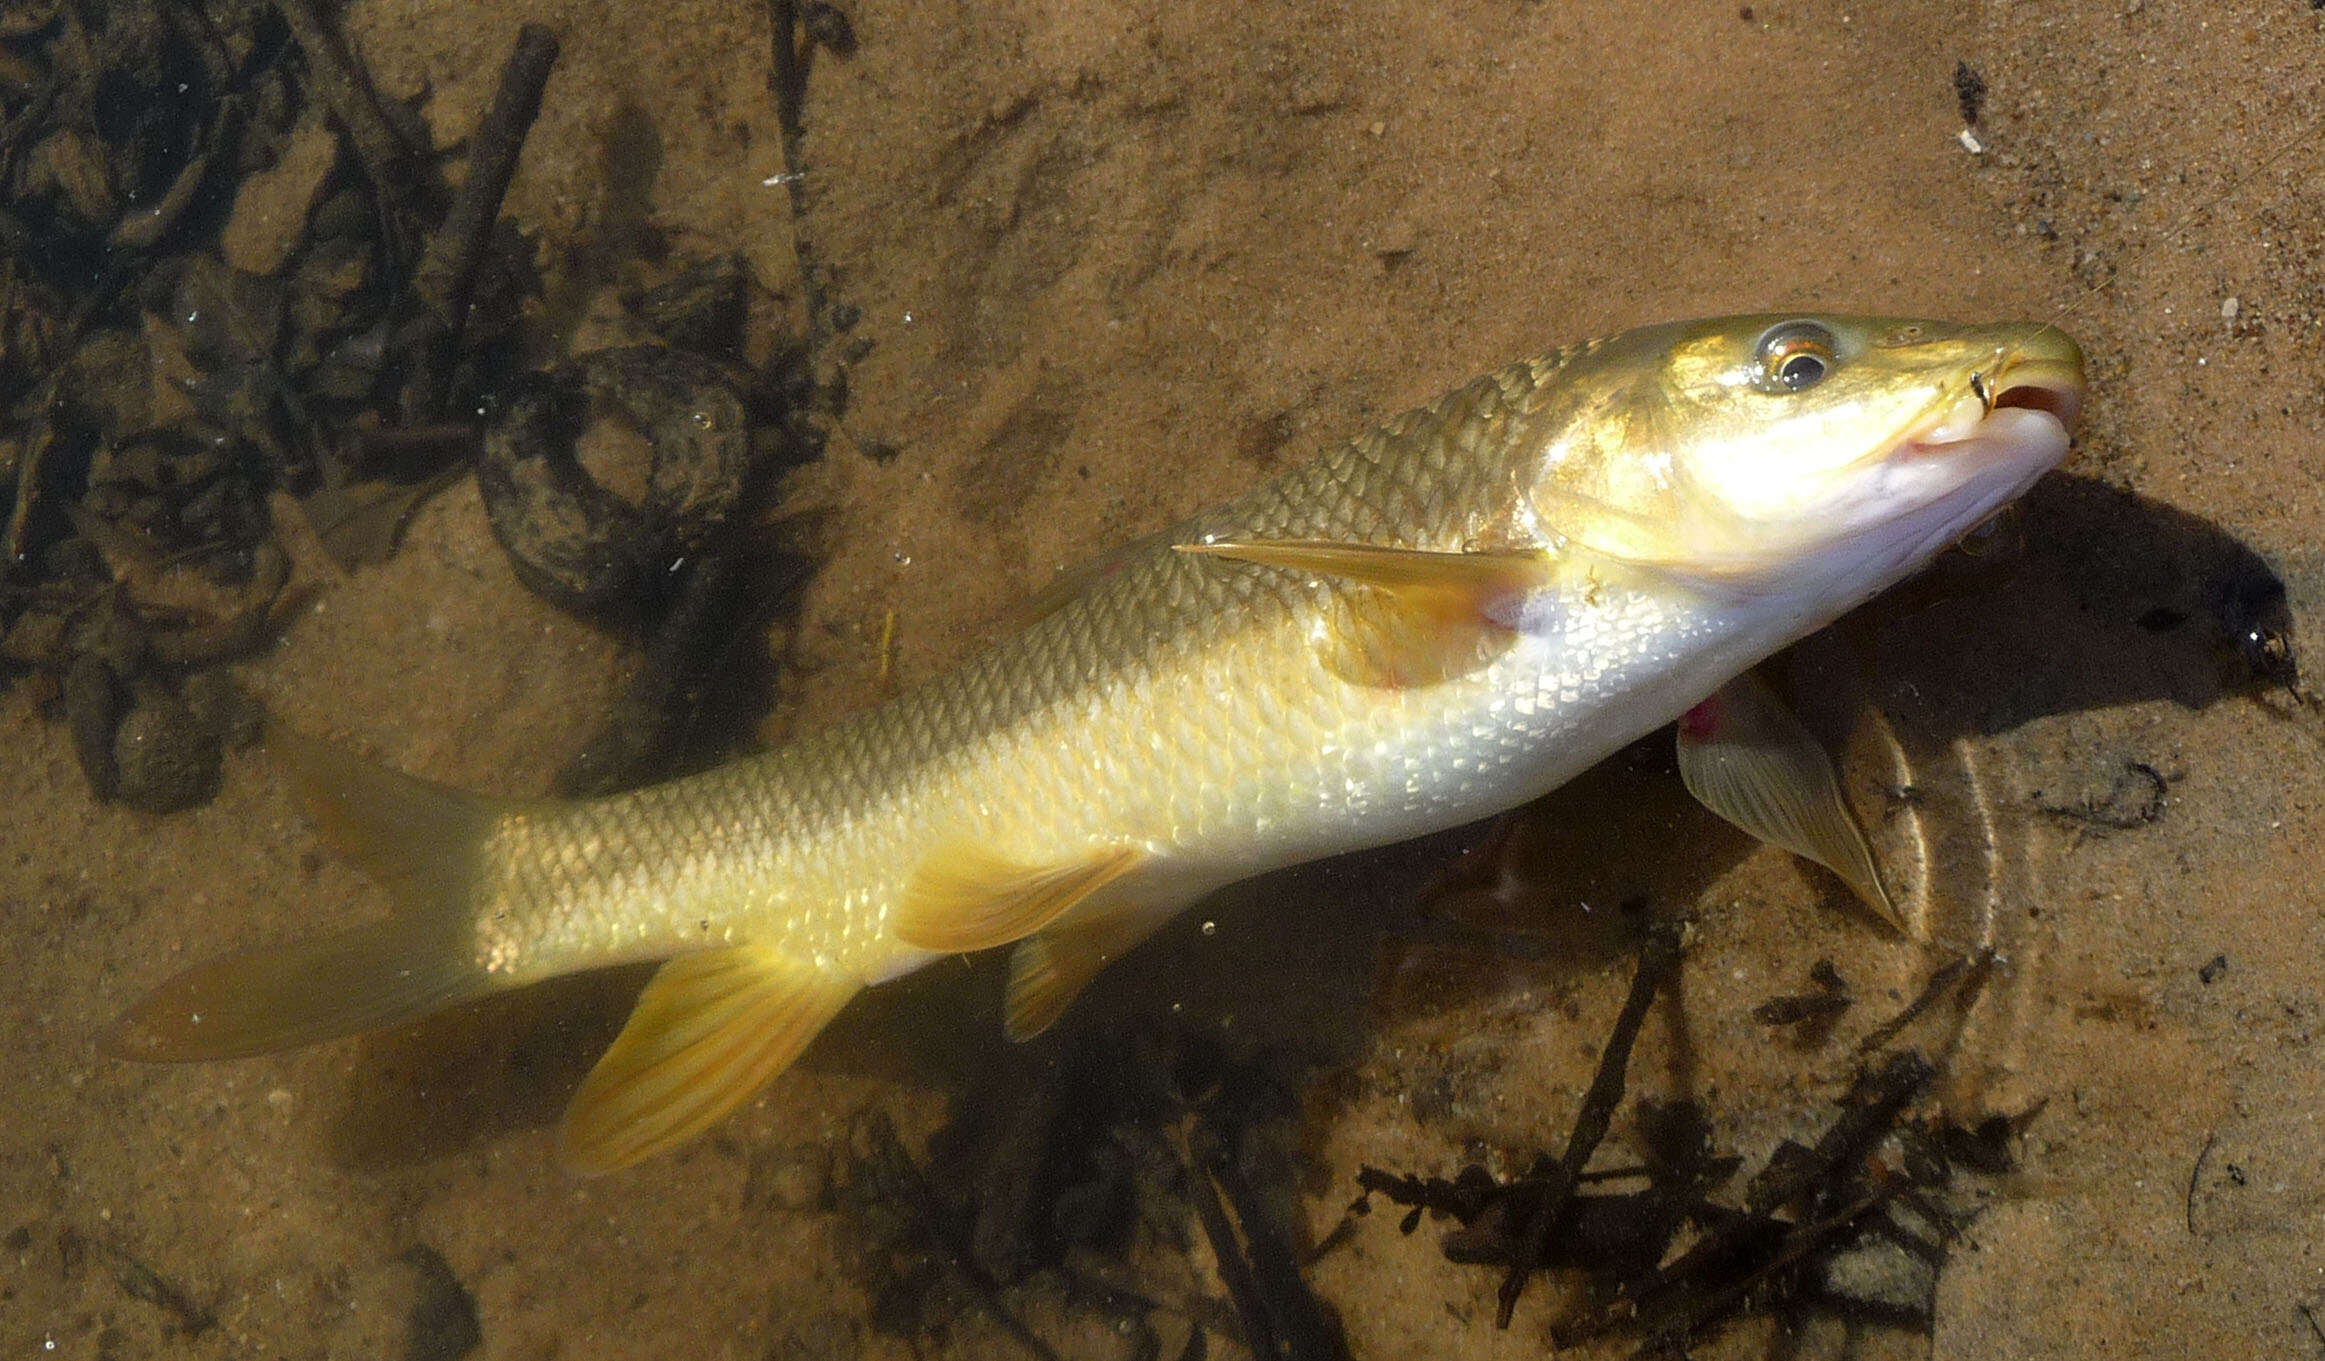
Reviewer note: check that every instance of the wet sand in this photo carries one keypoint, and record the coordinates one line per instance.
(1119, 261)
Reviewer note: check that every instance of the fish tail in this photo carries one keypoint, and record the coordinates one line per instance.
(424, 842)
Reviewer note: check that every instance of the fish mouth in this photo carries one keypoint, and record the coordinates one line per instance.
(2009, 423)
(2041, 375)
(2055, 389)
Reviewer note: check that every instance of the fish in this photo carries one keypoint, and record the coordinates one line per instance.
(1428, 625)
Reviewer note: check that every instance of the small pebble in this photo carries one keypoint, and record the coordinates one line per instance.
(1394, 239)
(2229, 307)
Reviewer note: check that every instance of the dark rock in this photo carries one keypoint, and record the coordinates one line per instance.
(571, 536)
(829, 1337)
(92, 711)
(410, 1307)
(166, 759)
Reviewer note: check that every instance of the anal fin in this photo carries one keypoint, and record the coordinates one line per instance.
(1747, 758)
(966, 898)
(708, 1032)
(1048, 970)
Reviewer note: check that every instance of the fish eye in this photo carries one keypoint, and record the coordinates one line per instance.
(1795, 356)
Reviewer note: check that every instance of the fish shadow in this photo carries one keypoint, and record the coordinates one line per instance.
(2109, 599)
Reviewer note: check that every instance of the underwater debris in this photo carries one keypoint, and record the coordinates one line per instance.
(336, 78)
(253, 295)
(2135, 796)
(1854, 1225)
(143, 1283)
(1068, 1192)
(156, 394)
(444, 284)
(702, 310)
(1969, 92)
(1281, 1316)
(797, 29)
(900, 1178)
(1815, 1010)
(571, 538)
(1658, 961)
(1964, 976)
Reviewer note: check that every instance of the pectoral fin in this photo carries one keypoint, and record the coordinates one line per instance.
(1048, 970)
(707, 1033)
(965, 898)
(1438, 615)
(1745, 756)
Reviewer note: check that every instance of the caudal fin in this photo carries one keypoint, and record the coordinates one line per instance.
(424, 842)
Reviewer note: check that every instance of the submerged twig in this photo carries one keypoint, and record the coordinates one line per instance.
(1281, 1317)
(345, 88)
(1973, 966)
(2196, 1172)
(1658, 957)
(903, 1177)
(446, 278)
(1682, 1298)
(1234, 1271)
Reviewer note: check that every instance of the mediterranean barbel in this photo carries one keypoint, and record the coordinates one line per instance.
(1436, 622)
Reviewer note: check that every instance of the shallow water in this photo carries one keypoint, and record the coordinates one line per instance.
(1118, 261)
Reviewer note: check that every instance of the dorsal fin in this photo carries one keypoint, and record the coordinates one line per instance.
(1424, 579)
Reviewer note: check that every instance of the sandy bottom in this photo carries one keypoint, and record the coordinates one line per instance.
(1120, 260)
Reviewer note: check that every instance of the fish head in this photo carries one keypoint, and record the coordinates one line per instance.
(1793, 452)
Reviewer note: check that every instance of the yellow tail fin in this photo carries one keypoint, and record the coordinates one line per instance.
(424, 842)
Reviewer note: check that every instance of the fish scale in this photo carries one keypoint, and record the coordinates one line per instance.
(1427, 625)
(1137, 669)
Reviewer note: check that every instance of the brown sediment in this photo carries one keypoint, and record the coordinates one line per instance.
(1094, 249)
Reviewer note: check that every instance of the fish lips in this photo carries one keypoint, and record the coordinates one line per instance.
(1979, 454)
